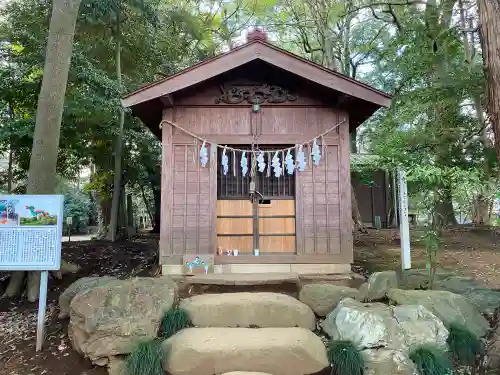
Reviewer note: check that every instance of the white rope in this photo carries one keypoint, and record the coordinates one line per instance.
(249, 151)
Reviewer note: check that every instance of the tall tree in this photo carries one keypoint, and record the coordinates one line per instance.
(43, 162)
(489, 26)
(114, 11)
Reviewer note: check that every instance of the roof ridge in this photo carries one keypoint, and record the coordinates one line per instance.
(246, 45)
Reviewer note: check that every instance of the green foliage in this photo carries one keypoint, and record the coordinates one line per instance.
(78, 206)
(431, 360)
(42, 220)
(173, 321)
(464, 345)
(145, 359)
(344, 358)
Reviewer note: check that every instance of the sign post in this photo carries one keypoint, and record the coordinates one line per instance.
(30, 240)
(42, 308)
(404, 227)
(69, 223)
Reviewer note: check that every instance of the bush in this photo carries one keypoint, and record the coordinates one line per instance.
(145, 359)
(78, 206)
(464, 345)
(344, 358)
(173, 321)
(431, 360)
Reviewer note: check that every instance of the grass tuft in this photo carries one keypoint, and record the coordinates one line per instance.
(173, 321)
(431, 360)
(344, 358)
(464, 345)
(145, 359)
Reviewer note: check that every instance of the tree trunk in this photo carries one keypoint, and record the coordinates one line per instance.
(480, 205)
(148, 210)
(103, 214)
(130, 212)
(9, 170)
(43, 162)
(444, 213)
(123, 219)
(101, 227)
(356, 216)
(481, 210)
(11, 154)
(157, 215)
(115, 205)
(489, 27)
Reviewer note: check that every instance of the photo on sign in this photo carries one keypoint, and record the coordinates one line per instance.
(38, 214)
(8, 214)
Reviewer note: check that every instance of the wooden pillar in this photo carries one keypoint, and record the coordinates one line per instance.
(166, 192)
(346, 246)
(213, 198)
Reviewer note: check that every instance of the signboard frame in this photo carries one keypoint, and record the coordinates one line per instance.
(55, 264)
(11, 220)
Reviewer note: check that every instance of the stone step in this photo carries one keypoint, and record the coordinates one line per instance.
(277, 351)
(248, 310)
(243, 278)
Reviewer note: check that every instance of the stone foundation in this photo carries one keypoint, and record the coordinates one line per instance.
(300, 269)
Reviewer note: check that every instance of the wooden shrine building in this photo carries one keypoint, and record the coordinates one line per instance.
(218, 121)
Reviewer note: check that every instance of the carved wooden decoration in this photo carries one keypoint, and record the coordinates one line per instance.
(256, 95)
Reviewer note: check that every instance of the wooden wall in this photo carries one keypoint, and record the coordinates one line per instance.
(189, 196)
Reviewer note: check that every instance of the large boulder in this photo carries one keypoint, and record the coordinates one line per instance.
(323, 298)
(116, 366)
(486, 300)
(248, 310)
(80, 285)
(449, 307)
(277, 351)
(108, 320)
(418, 278)
(387, 362)
(375, 325)
(378, 285)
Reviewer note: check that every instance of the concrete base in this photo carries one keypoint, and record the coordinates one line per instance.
(299, 269)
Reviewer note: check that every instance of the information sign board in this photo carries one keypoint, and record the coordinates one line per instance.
(30, 240)
(30, 232)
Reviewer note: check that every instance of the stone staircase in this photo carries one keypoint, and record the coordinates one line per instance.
(246, 332)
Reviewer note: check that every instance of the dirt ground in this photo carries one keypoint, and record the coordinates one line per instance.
(136, 257)
(467, 251)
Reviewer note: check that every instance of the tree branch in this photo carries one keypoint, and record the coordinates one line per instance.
(383, 3)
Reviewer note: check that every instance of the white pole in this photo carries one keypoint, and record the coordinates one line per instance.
(395, 195)
(404, 227)
(42, 305)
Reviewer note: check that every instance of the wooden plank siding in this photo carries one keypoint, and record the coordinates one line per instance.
(189, 191)
(192, 220)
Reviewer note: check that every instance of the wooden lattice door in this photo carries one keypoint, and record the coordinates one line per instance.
(267, 223)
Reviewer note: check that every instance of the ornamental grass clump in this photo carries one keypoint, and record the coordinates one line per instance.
(465, 346)
(173, 321)
(431, 360)
(344, 358)
(145, 359)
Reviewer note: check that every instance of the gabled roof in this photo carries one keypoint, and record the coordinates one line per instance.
(257, 49)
